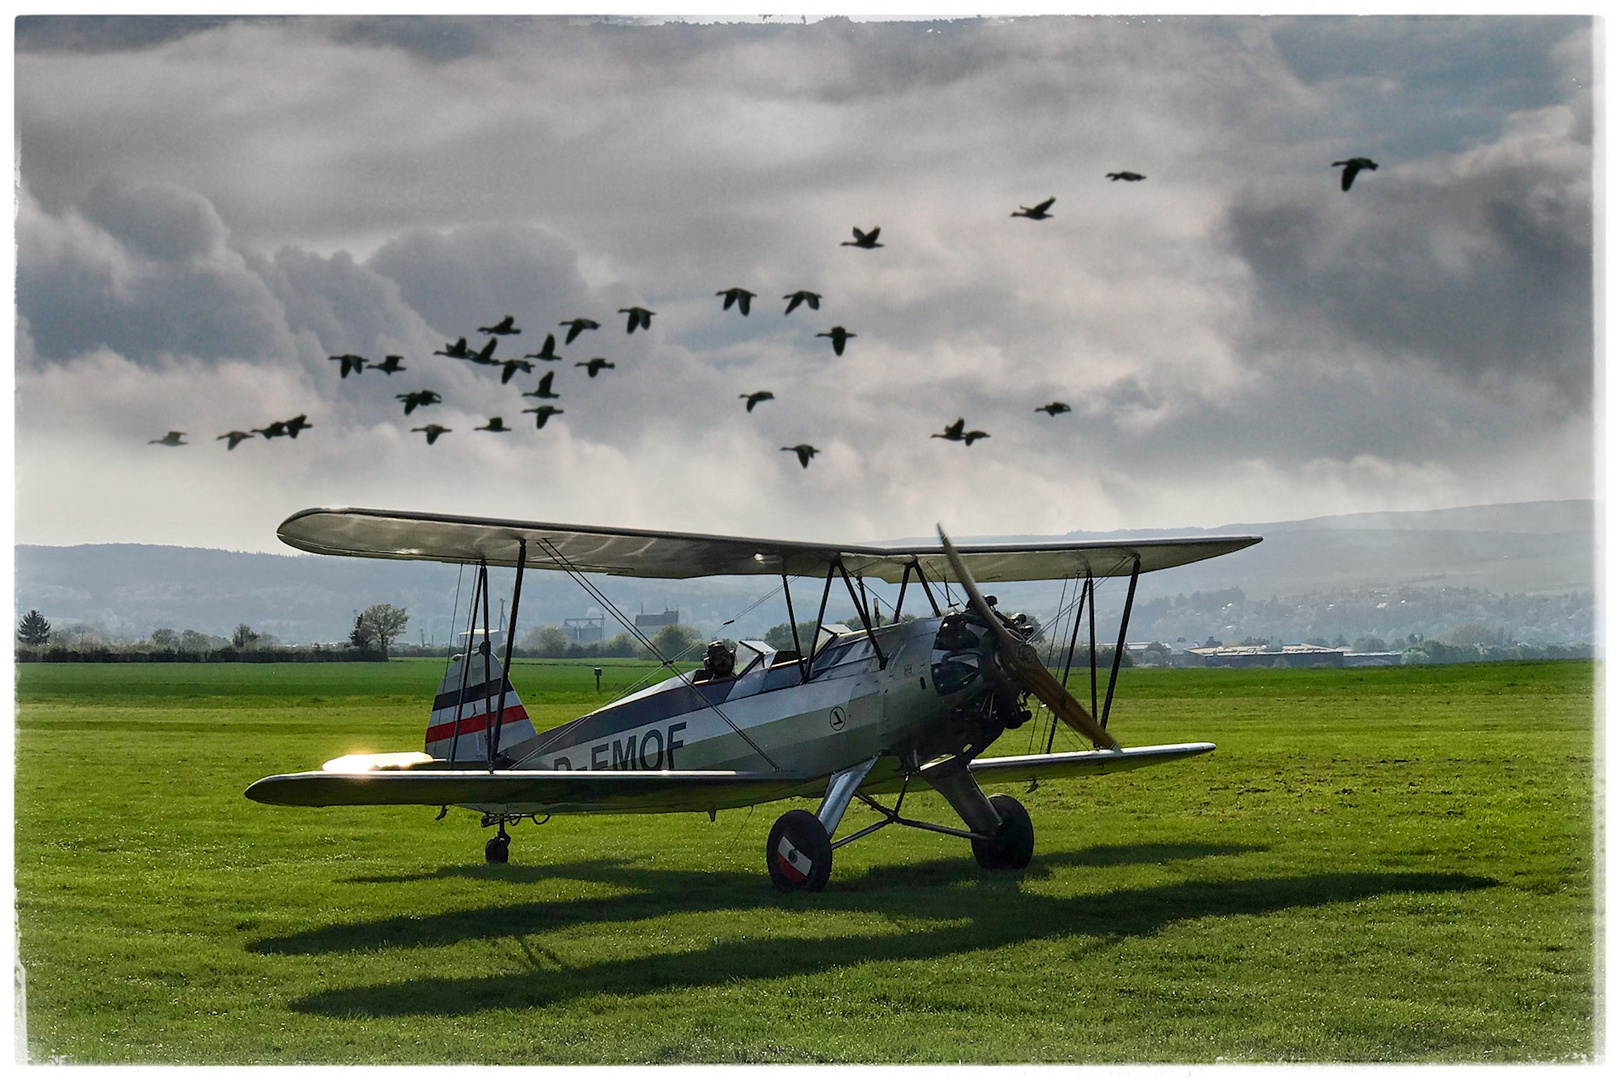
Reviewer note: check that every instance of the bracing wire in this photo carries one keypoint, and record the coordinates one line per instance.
(612, 609)
(455, 609)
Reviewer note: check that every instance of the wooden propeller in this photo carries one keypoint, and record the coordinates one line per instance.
(1020, 657)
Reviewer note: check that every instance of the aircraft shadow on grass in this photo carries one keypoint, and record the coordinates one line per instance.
(992, 911)
(896, 890)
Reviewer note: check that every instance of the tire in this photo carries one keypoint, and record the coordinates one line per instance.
(798, 853)
(1014, 842)
(496, 849)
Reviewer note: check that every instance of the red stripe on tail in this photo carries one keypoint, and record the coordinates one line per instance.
(474, 725)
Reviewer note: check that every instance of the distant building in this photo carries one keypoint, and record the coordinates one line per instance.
(1372, 659)
(653, 622)
(1251, 656)
(497, 638)
(586, 630)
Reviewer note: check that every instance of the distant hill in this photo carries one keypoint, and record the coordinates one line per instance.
(129, 589)
(1537, 547)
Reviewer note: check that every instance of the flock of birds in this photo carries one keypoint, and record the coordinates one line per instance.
(640, 318)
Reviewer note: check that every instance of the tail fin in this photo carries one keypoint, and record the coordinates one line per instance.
(462, 716)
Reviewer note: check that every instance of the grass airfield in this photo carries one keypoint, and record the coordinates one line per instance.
(1375, 865)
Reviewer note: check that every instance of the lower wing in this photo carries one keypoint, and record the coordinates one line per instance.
(633, 792)
(1082, 762)
(540, 792)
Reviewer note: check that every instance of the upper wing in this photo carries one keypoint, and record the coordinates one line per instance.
(536, 792)
(388, 534)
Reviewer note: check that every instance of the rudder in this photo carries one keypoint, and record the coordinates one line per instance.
(460, 721)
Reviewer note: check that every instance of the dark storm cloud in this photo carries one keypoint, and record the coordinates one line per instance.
(1442, 102)
(346, 307)
(434, 38)
(94, 34)
(250, 197)
(163, 222)
(473, 276)
(1480, 266)
(145, 271)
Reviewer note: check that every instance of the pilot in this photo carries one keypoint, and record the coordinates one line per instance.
(719, 661)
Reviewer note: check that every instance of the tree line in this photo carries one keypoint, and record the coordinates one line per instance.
(375, 631)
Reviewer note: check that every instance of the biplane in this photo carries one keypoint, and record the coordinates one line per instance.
(899, 704)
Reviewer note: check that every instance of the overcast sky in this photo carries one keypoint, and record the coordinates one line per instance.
(208, 209)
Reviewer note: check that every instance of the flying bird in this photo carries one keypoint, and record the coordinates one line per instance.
(432, 431)
(509, 367)
(457, 351)
(594, 365)
(418, 397)
(235, 437)
(803, 296)
(1038, 212)
(1352, 166)
(350, 362)
(639, 316)
(864, 239)
(548, 351)
(486, 355)
(544, 389)
(495, 424)
(574, 328)
(1052, 408)
(756, 397)
(276, 429)
(952, 432)
(503, 327)
(735, 295)
(1126, 175)
(173, 438)
(389, 365)
(542, 413)
(805, 452)
(296, 424)
(839, 335)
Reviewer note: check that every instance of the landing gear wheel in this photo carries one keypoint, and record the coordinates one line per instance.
(495, 850)
(1014, 841)
(799, 852)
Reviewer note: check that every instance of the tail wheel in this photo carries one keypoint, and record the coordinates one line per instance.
(1014, 842)
(799, 852)
(495, 850)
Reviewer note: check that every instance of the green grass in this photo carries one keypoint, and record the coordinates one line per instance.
(1376, 865)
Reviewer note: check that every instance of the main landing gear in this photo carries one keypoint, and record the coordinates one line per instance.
(498, 846)
(1013, 842)
(798, 853)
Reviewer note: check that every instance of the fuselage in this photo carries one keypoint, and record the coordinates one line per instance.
(862, 697)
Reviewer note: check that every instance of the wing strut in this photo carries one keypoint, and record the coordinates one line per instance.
(904, 580)
(861, 610)
(821, 613)
(466, 664)
(1119, 649)
(506, 665)
(608, 606)
(923, 581)
(793, 623)
(483, 578)
(1068, 661)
